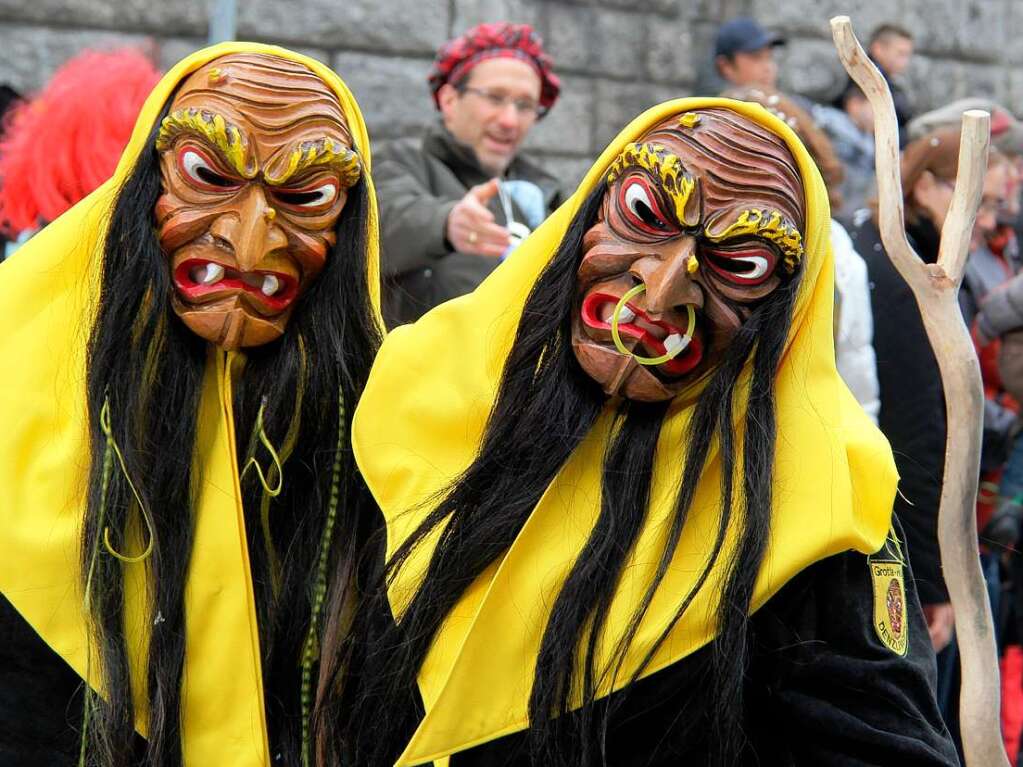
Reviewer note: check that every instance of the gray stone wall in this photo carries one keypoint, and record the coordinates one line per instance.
(616, 57)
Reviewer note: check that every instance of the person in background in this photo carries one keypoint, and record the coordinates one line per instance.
(854, 323)
(849, 123)
(456, 200)
(744, 54)
(891, 48)
(66, 140)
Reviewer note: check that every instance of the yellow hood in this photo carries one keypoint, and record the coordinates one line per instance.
(48, 299)
(420, 422)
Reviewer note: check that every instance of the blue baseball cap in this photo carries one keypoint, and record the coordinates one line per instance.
(744, 35)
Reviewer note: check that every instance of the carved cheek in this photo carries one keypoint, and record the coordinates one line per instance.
(604, 255)
(179, 223)
(311, 249)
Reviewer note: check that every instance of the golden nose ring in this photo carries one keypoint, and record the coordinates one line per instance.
(668, 354)
(692, 264)
(269, 215)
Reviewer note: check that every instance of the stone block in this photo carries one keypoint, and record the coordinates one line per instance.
(618, 103)
(1014, 30)
(933, 82)
(569, 170)
(811, 67)
(569, 125)
(30, 54)
(670, 56)
(172, 50)
(983, 33)
(802, 17)
(1014, 96)
(667, 7)
(718, 11)
(591, 41)
(469, 13)
(937, 24)
(414, 27)
(985, 81)
(391, 92)
(179, 17)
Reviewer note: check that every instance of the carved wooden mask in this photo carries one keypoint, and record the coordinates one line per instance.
(256, 159)
(703, 217)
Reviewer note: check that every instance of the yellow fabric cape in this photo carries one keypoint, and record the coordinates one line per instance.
(420, 422)
(48, 299)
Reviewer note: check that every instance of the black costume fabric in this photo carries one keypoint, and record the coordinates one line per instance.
(821, 690)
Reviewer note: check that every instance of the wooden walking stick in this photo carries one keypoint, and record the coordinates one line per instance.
(935, 287)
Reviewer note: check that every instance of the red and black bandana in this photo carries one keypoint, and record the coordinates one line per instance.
(457, 57)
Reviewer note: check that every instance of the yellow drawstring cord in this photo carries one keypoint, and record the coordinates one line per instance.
(273, 492)
(104, 424)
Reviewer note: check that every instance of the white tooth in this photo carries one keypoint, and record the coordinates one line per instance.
(675, 343)
(214, 272)
(626, 315)
(270, 285)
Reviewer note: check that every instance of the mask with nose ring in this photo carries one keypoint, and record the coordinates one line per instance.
(701, 220)
(255, 172)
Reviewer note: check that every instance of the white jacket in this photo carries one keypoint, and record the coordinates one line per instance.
(854, 348)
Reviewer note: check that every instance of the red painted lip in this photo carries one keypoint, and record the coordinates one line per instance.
(680, 365)
(232, 283)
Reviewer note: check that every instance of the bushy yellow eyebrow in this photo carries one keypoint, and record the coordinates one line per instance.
(665, 167)
(326, 152)
(771, 226)
(216, 130)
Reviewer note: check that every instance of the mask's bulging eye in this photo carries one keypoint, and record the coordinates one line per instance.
(639, 207)
(319, 196)
(198, 169)
(746, 265)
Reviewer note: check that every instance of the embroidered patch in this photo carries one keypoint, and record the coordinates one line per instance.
(891, 622)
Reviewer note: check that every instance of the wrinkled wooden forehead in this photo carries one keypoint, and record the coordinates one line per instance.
(734, 161)
(274, 94)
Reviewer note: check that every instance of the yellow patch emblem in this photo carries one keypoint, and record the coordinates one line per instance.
(891, 621)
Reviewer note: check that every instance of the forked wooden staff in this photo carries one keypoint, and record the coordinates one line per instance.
(935, 287)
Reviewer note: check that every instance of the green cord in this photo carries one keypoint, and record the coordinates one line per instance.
(108, 464)
(310, 651)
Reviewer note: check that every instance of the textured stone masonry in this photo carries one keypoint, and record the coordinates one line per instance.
(616, 57)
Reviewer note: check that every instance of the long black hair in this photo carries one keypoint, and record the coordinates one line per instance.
(544, 408)
(144, 380)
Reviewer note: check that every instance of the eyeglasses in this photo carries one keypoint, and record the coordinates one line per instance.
(990, 205)
(525, 107)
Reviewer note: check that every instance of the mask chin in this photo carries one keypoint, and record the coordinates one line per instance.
(231, 328)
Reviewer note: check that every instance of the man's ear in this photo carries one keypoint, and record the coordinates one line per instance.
(723, 65)
(447, 96)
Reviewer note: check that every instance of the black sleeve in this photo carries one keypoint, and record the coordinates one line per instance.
(40, 698)
(912, 414)
(835, 693)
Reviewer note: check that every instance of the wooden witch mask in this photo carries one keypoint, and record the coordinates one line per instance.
(256, 160)
(702, 218)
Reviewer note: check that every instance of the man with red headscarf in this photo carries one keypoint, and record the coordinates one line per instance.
(456, 200)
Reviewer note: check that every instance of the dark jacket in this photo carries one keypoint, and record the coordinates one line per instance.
(821, 689)
(912, 413)
(418, 182)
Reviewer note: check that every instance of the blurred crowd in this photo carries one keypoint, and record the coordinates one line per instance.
(455, 201)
